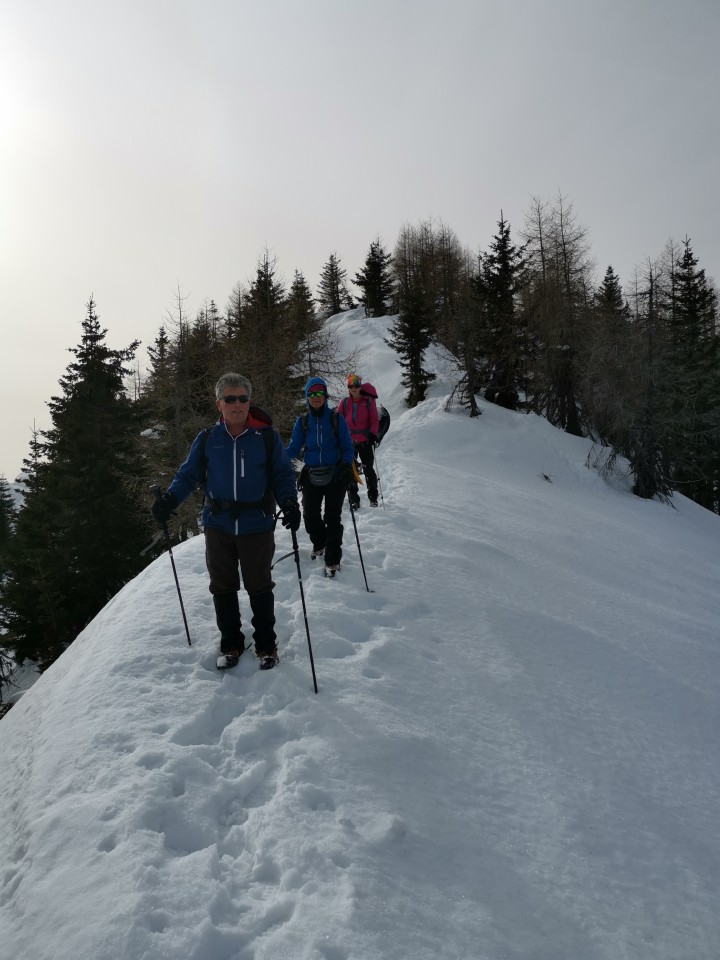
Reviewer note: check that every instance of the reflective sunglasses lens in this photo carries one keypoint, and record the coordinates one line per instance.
(242, 398)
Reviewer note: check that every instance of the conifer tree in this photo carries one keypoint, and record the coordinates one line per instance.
(303, 322)
(177, 401)
(413, 330)
(7, 527)
(643, 437)
(499, 281)
(376, 281)
(410, 336)
(333, 296)
(79, 535)
(271, 356)
(606, 380)
(27, 593)
(7, 521)
(695, 383)
(6, 679)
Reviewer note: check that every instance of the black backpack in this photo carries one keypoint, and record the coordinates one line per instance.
(383, 421)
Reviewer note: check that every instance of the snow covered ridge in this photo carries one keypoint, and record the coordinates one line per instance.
(513, 752)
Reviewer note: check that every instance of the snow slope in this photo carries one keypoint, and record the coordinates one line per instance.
(513, 752)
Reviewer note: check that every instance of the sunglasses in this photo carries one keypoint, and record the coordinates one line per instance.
(316, 393)
(354, 386)
(241, 398)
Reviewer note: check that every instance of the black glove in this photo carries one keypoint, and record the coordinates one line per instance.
(291, 515)
(372, 437)
(343, 474)
(163, 507)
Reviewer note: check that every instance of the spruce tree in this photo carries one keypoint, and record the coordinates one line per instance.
(641, 434)
(695, 383)
(270, 346)
(376, 281)
(7, 527)
(79, 535)
(303, 322)
(7, 521)
(27, 593)
(333, 296)
(499, 282)
(410, 336)
(605, 379)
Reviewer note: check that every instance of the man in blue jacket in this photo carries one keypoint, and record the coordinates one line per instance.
(244, 471)
(328, 457)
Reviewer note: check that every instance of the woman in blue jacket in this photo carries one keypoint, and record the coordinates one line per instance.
(328, 455)
(244, 470)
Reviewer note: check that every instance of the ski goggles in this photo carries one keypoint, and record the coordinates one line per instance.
(239, 398)
(315, 393)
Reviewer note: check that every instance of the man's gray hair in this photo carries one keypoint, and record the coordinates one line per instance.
(232, 380)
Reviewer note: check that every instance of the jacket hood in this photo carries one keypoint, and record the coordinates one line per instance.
(315, 382)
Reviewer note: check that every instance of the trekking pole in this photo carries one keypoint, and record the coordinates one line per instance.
(362, 564)
(157, 493)
(296, 551)
(377, 474)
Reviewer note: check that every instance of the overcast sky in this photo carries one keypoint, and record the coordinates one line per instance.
(162, 145)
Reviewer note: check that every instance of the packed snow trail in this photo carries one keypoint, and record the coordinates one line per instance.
(512, 754)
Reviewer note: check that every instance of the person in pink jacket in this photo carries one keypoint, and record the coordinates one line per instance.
(360, 412)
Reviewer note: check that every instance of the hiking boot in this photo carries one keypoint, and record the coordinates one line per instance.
(373, 503)
(268, 658)
(331, 569)
(228, 659)
(317, 552)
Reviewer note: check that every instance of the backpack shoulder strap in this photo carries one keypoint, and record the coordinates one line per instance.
(268, 438)
(203, 451)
